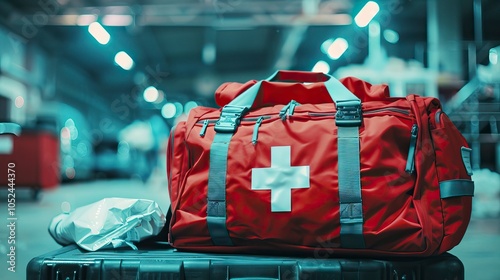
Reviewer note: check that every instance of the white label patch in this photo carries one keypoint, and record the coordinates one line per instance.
(280, 178)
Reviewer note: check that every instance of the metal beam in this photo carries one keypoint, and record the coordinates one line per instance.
(213, 13)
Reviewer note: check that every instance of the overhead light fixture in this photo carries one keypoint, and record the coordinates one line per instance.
(337, 48)
(151, 94)
(85, 20)
(321, 66)
(391, 36)
(168, 111)
(124, 60)
(367, 13)
(19, 102)
(99, 33)
(325, 45)
(117, 20)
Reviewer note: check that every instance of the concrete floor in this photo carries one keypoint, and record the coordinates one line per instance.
(479, 251)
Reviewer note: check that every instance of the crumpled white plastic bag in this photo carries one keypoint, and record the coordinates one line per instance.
(108, 223)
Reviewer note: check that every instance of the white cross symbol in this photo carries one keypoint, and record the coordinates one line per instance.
(280, 178)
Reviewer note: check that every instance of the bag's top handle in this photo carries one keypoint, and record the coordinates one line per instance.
(298, 76)
(348, 105)
(336, 90)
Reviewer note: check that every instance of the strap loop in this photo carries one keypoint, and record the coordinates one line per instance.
(454, 188)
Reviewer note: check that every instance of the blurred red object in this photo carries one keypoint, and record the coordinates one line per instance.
(33, 157)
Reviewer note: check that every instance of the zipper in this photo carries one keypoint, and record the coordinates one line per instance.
(288, 109)
(253, 119)
(374, 111)
(206, 122)
(410, 162)
(256, 130)
(204, 128)
(390, 109)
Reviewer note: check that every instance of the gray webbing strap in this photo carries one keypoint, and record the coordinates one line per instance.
(348, 120)
(454, 188)
(351, 210)
(216, 204)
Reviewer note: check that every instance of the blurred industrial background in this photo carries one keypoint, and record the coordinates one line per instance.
(96, 86)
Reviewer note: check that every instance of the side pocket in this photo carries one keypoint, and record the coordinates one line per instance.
(453, 171)
(452, 150)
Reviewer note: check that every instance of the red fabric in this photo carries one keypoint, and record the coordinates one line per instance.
(36, 159)
(403, 213)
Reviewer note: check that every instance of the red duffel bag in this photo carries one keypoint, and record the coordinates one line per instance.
(303, 163)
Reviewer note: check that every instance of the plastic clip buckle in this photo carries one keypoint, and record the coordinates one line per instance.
(348, 113)
(230, 118)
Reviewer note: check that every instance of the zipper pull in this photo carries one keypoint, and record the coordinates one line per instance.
(288, 109)
(204, 128)
(291, 109)
(256, 129)
(410, 162)
(284, 111)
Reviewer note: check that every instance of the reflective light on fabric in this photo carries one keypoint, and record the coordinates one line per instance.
(280, 178)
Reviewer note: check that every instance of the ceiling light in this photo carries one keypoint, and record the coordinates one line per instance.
(124, 60)
(19, 102)
(168, 111)
(84, 20)
(337, 48)
(117, 20)
(99, 33)
(321, 66)
(367, 13)
(391, 36)
(325, 45)
(151, 94)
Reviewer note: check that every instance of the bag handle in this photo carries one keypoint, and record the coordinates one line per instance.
(336, 90)
(298, 76)
(348, 105)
